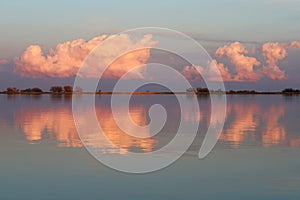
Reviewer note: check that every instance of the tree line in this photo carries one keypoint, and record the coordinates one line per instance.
(67, 89)
(206, 91)
(53, 89)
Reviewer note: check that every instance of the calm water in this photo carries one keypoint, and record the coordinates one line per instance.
(257, 156)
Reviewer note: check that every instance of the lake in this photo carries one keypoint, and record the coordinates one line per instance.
(257, 155)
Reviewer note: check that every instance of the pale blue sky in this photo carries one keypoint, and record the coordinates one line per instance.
(47, 23)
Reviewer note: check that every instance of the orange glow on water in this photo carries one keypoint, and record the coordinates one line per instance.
(273, 133)
(59, 124)
(243, 125)
(246, 122)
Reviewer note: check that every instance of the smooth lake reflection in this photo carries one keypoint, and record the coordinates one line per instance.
(42, 156)
(266, 120)
(251, 120)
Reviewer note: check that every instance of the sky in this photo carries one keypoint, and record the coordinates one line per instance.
(253, 43)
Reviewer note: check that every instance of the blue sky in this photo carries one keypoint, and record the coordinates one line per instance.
(47, 23)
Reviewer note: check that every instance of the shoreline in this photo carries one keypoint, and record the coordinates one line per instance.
(156, 93)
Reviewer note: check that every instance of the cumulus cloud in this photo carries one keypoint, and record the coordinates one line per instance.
(67, 58)
(192, 72)
(273, 52)
(213, 72)
(295, 44)
(244, 65)
(133, 54)
(226, 76)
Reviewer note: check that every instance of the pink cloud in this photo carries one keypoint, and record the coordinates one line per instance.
(273, 52)
(213, 72)
(295, 44)
(66, 59)
(192, 72)
(226, 76)
(245, 68)
(244, 65)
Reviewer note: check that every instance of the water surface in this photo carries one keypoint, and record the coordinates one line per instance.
(257, 156)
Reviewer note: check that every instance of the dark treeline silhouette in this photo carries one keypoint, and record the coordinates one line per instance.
(68, 88)
(54, 89)
(13, 90)
(290, 90)
(60, 89)
(243, 92)
(36, 90)
(199, 90)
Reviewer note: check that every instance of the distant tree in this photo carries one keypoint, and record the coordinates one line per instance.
(56, 89)
(26, 90)
(290, 90)
(36, 90)
(12, 90)
(78, 89)
(68, 88)
(199, 89)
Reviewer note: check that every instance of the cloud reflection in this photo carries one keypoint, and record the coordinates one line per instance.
(58, 124)
(274, 133)
(243, 124)
(252, 122)
(248, 121)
